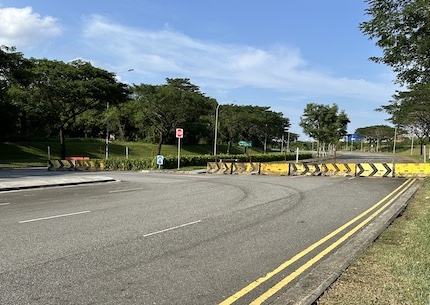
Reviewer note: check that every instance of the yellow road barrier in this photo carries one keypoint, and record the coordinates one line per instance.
(409, 170)
(279, 169)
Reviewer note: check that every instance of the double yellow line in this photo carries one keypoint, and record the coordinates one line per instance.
(378, 207)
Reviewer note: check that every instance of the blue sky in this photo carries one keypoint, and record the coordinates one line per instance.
(278, 53)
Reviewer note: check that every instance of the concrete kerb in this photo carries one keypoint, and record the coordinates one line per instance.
(22, 184)
(310, 287)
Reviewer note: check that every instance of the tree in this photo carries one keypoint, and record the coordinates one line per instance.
(411, 111)
(15, 73)
(252, 123)
(62, 91)
(401, 29)
(177, 104)
(324, 123)
(376, 133)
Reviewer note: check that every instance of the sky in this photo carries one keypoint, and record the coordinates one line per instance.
(278, 53)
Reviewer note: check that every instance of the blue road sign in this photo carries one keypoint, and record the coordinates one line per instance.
(160, 159)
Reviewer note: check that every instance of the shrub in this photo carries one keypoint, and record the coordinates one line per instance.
(171, 162)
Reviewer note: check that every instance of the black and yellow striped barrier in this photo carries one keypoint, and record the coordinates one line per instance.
(75, 165)
(252, 168)
(219, 168)
(338, 169)
(61, 165)
(375, 170)
(380, 170)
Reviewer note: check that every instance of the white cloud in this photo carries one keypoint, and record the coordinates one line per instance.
(231, 66)
(21, 27)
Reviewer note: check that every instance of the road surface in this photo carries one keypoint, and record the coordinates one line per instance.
(175, 239)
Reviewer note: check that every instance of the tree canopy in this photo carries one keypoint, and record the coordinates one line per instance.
(401, 29)
(60, 92)
(42, 98)
(324, 123)
(15, 71)
(250, 123)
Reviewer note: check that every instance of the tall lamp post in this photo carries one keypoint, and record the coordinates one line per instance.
(216, 129)
(107, 121)
(107, 130)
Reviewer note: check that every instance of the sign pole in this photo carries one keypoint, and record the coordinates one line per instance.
(179, 136)
(179, 153)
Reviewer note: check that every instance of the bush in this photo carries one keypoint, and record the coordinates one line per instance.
(171, 162)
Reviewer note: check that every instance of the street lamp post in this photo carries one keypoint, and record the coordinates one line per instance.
(216, 129)
(107, 122)
(107, 130)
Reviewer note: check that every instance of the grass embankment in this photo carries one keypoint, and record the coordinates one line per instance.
(395, 269)
(35, 153)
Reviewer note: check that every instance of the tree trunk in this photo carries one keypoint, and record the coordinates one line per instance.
(228, 147)
(121, 132)
(160, 143)
(62, 144)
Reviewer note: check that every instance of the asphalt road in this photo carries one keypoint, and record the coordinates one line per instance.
(172, 239)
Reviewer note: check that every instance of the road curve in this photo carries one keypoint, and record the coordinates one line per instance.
(172, 239)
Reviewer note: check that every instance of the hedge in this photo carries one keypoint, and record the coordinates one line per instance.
(171, 162)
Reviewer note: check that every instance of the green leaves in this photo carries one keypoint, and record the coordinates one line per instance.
(402, 30)
(324, 123)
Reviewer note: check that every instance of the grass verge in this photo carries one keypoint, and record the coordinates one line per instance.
(395, 269)
(35, 153)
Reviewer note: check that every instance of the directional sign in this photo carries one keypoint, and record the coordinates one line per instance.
(245, 143)
(160, 159)
(179, 133)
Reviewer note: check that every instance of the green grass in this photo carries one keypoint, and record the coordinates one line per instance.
(35, 153)
(395, 269)
(415, 153)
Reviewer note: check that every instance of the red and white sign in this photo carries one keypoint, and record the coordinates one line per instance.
(179, 133)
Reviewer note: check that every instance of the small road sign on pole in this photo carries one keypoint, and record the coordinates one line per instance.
(160, 160)
(179, 135)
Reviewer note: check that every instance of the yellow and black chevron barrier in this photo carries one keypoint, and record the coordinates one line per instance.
(88, 165)
(338, 169)
(375, 170)
(75, 165)
(219, 168)
(305, 169)
(383, 170)
(245, 168)
(61, 165)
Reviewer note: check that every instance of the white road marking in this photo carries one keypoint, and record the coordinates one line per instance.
(51, 217)
(4, 203)
(172, 228)
(126, 190)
